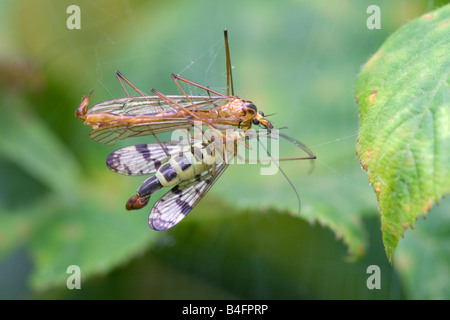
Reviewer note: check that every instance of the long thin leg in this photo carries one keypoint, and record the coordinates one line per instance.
(311, 155)
(229, 67)
(296, 143)
(188, 112)
(177, 106)
(286, 177)
(121, 77)
(178, 77)
(185, 94)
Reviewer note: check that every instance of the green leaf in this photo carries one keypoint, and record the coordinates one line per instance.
(74, 221)
(426, 256)
(246, 264)
(404, 140)
(26, 141)
(88, 236)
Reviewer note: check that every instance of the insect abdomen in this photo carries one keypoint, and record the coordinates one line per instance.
(186, 165)
(150, 186)
(183, 166)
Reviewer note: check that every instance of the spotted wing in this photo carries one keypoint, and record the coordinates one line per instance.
(181, 199)
(141, 159)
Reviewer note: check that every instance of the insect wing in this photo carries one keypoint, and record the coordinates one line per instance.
(148, 106)
(112, 135)
(141, 159)
(181, 199)
(131, 106)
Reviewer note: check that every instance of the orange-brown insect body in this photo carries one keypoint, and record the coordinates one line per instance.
(117, 119)
(237, 112)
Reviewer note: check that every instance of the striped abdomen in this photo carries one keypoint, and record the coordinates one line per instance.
(184, 166)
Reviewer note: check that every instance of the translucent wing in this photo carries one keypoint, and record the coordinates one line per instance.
(166, 116)
(112, 135)
(141, 159)
(181, 199)
(148, 105)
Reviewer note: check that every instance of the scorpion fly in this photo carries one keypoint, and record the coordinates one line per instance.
(189, 168)
(134, 116)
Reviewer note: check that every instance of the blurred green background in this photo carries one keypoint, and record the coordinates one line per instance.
(298, 60)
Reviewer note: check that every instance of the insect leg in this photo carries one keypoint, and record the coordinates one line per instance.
(229, 67)
(187, 111)
(121, 76)
(178, 77)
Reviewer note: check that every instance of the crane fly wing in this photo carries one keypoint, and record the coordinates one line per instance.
(131, 106)
(148, 105)
(111, 135)
(182, 198)
(166, 116)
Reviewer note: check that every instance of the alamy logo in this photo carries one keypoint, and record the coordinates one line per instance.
(235, 146)
(374, 20)
(74, 280)
(74, 20)
(374, 280)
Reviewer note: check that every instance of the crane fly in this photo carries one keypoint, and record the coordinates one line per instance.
(134, 116)
(188, 168)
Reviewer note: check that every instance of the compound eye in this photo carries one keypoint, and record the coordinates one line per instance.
(261, 113)
(251, 106)
(256, 121)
